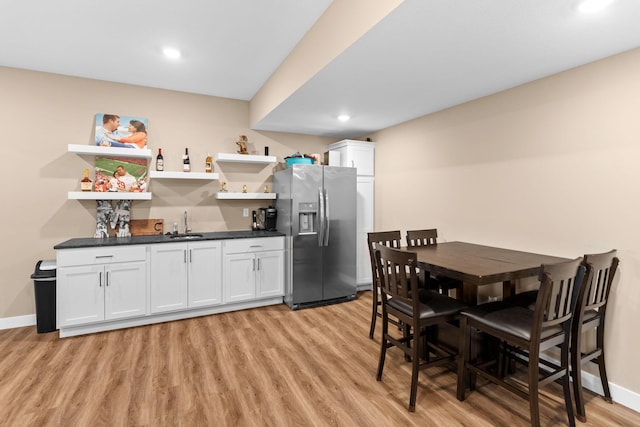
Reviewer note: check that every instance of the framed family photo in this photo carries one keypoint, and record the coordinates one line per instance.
(113, 130)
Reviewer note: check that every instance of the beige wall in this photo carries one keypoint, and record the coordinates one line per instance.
(41, 113)
(549, 167)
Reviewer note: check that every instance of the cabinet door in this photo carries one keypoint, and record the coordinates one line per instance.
(359, 157)
(239, 277)
(168, 277)
(205, 274)
(125, 290)
(365, 221)
(270, 274)
(80, 295)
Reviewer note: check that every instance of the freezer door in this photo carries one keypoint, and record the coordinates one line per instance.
(306, 185)
(339, 253)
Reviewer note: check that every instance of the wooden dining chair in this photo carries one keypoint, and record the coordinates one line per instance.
(591, 307)
(428, 237)
(387, 238)
(533, 331)
(416, 308)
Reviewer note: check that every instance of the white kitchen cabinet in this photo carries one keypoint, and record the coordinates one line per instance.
(104, 288)
(168, 270)
(361, 155)
(355, 154)
(205, 273)
(100, 284)
(364, 225)
(270, 274)
(253, 269)
(185, 275)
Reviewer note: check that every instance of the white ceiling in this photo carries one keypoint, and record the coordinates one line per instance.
(425, 56)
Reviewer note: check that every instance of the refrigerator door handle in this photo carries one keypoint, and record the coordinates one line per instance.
(320, 217)
(326, 218)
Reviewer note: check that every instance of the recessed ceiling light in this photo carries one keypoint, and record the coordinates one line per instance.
(344, 117)
(171, 52)
(593, 6)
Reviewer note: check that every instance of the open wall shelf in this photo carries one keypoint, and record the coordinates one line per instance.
(245, 196)
(244, 158)
(93, 150)
(182, 175)
(108, 195)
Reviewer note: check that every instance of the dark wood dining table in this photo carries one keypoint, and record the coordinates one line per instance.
(478, 265)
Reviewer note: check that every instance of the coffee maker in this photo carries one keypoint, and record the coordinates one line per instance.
(267, 218)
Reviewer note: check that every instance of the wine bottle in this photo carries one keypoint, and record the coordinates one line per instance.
(208, 164)
(159, 160)
(186, 163)
(85, 182)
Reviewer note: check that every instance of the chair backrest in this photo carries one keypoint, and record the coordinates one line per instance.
(555, 302)
(386, 238)
(425, 237)
(397, 274)
(595, 293)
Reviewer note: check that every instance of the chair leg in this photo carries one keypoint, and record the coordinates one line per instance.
(383, 346)
(415, 368)
(374, 313)
(405, 333)
(576, 375)
(534, 409)
(601, 365)
(566, 384)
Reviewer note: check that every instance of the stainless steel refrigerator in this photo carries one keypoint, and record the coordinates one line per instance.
(317, 211)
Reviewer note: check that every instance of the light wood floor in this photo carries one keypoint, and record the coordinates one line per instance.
(262, 367)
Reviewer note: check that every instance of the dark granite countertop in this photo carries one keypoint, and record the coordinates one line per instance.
(89, 242)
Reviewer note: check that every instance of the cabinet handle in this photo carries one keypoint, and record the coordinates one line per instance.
(190, 256)
(185, 256)
(100, 280)
(254, 264)
(104, 256)
(258, 263)
(107, 281)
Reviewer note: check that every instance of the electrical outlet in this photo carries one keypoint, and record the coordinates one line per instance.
(245, 212)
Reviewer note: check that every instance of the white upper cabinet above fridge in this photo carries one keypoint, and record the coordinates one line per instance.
(353, 154)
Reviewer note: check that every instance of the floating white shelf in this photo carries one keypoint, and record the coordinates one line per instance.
(245, 196)
(244, 158)
(108, 195)
(94, 150)
(182, 175)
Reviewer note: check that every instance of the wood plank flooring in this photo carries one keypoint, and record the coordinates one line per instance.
(263, 367)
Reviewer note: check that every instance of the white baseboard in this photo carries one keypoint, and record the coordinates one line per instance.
(18, 321)
(620, 395)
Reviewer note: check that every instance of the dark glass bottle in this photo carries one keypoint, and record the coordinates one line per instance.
(159, 160)
(186, 163)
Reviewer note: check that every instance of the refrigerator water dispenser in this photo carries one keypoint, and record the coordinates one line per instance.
(307, 218)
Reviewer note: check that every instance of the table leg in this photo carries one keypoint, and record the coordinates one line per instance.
(469, 294)
(508, 289)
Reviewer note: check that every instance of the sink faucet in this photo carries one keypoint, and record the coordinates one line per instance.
(187, 229)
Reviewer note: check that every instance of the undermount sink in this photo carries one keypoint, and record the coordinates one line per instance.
(186, 236)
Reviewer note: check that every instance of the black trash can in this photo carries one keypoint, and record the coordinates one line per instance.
(44, 282)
